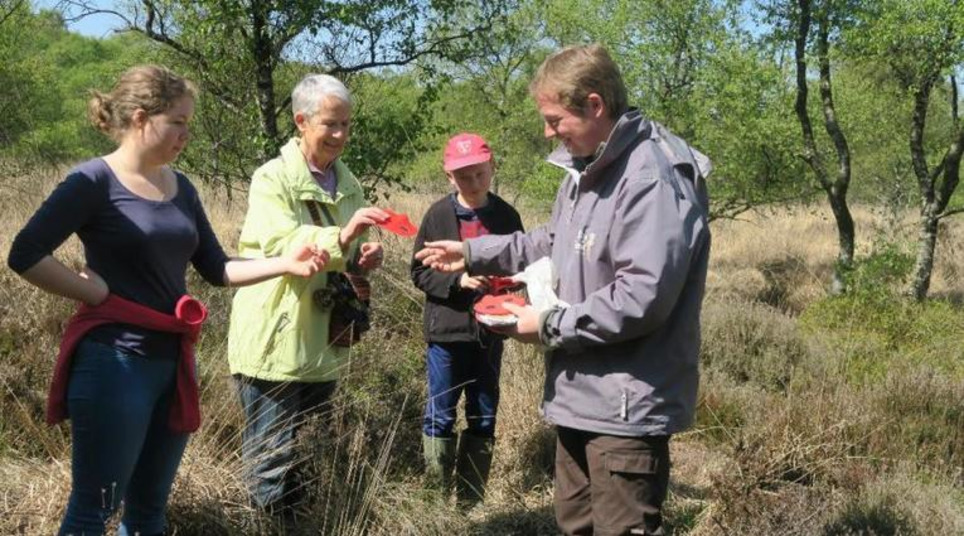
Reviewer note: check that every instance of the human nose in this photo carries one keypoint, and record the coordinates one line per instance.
(548, 131)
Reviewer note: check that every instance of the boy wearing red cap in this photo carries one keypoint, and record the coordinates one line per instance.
(461, 355)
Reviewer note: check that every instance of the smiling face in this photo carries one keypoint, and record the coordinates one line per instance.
(324, 135)
(163, 136)
(581, 131)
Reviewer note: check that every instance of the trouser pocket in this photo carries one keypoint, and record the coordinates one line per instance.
(629, 480)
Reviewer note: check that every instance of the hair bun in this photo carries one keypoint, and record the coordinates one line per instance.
(99, 111)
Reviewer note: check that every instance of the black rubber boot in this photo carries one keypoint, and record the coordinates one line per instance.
(472, 469)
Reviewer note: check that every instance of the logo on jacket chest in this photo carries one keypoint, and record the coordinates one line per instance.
(585, 240)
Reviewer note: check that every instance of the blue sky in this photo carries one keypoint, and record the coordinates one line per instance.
(93, 26)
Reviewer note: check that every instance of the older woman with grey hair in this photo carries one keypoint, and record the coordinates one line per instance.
(285, 345)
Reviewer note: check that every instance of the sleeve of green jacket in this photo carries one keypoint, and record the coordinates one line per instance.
(274, 222)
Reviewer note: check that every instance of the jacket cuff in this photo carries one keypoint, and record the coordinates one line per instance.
(467, 256)
(327, 239)
(549, 333)
(455, 284)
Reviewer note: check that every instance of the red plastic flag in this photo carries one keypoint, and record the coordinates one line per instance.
(398, 223)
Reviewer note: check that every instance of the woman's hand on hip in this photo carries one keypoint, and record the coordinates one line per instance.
(98, 290)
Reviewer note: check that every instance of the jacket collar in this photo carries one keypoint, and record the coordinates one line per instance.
(303, 184)
(629, 129)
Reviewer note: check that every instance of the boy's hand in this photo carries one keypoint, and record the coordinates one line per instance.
(442, 255)
(474, 283)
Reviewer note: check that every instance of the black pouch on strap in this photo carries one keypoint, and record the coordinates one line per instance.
(347, 296)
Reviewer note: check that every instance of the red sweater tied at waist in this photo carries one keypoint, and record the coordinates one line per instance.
(189, 314)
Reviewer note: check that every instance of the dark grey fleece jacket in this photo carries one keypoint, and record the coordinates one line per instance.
(629, 238)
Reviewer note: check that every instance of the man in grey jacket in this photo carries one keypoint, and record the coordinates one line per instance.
(629, 239)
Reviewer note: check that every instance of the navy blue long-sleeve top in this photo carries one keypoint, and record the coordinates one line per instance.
(140, 247)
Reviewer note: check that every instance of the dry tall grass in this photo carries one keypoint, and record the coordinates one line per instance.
(794, 436)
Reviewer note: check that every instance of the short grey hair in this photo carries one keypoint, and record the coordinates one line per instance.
(312, 91)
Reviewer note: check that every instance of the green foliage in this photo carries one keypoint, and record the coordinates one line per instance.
(50, 72)
(917, 38)
(880, 274)
(922, 44)
(691, 66)
(16, 79)
(876, 329)
(514, 134)
(390, 113)
(873, 112)
(487, 93)
(246, 57)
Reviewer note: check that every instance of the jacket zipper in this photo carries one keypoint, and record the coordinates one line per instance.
(280, 325)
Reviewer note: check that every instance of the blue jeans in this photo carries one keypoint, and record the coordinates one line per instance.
(274, 411)
(454, 367)
(122, 448)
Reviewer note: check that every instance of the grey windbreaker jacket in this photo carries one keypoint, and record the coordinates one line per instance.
(630, 241)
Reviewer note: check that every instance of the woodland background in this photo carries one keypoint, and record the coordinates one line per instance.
(832, 396)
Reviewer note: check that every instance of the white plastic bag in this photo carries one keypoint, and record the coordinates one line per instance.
(539, 278)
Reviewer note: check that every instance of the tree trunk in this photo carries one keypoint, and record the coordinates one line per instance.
(837, 192)
(927, 237)
(262, 53)
(810, 154)
(845, 240)
(936, 188)
(837, 188)
(926, 242)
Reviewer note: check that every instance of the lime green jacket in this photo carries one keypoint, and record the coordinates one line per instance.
(276, 332)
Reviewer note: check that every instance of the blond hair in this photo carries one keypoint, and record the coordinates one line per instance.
(151, 88)
(572, 73)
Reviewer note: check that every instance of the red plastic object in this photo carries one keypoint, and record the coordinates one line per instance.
(493, 305)
(398, 223)
(500, 285)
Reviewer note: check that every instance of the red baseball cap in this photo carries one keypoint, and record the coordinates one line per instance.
(463, 150)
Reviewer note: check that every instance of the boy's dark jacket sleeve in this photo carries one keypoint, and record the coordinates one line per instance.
(433, 283)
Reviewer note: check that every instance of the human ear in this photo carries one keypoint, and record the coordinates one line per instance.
(301, 121)
(595, 105)
(139, 118)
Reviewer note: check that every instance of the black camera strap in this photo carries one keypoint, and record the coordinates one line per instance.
(313, 206)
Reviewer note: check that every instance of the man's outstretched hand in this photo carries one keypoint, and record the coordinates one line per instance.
(443, 255)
